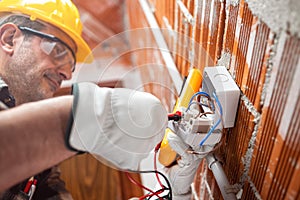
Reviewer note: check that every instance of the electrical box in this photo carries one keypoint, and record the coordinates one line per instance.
(218, 80)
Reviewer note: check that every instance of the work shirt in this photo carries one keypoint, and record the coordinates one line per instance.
(49, 185)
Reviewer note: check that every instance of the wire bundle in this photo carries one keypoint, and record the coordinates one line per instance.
(152, 193)
(211, 105)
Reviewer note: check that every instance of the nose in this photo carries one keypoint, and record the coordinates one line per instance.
(65, 72)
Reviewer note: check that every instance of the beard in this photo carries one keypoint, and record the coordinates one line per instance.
(24, 78)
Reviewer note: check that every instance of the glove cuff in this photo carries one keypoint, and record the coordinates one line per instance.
(75, 93)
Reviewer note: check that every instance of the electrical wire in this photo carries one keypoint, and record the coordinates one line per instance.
(205, 113)
(137, 183)
(199, 106)
(157, 173)
(146, 196)
(210, 104)
(207, 152)
(217, 123)
(201, 111)
(153, 193)
(219, 104)
(210, 132)
(195, 95)
(169, 195)
(155, 165)
(199, 93)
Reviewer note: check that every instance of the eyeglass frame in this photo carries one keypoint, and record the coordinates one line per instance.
(51, 37)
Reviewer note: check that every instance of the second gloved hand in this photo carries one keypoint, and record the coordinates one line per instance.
(118, 126)
(182, 174)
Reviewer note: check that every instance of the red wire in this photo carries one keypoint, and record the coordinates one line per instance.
(141, 186)
(152, 193)
(137, 183)
(155, 165)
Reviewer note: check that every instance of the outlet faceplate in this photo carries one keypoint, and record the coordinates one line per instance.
(218, 80)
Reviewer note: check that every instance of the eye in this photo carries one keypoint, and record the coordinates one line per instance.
(47, 46)
(54, 48)
(59, 51)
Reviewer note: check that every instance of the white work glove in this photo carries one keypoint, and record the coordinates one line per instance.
(182, 174)
(118, 126)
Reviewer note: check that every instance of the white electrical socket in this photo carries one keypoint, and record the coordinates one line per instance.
(199, 125)
(194, 139)
(218, 80)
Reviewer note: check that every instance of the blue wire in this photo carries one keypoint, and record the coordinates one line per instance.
(218, 122)
(191, 104)
(219, 104)
(210, 132)
(196, 94)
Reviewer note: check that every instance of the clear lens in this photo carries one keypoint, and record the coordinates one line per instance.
(58, 52)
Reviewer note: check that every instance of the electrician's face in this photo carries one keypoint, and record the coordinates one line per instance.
(39, 64)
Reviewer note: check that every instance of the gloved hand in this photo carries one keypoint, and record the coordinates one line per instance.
(182, 174)
(118, 126)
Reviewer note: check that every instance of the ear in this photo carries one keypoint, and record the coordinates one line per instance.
(8, 34)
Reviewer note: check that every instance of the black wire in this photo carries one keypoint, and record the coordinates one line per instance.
(182, 86)
(160, 190)
(166, 179)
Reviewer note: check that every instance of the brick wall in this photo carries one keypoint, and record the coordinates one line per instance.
(261, 154)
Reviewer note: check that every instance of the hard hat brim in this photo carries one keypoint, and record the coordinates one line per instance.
(83, 54)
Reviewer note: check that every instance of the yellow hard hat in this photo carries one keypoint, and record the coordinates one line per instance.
(60, 13)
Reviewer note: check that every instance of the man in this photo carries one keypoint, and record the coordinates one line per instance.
(40, 45)
(35, 58)
(31, 74)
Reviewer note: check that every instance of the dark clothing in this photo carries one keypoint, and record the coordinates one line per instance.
(49, 185)
(6, 98)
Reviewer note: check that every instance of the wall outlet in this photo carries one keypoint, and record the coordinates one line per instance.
(218, 80)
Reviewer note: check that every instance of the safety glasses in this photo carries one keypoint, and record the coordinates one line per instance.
(60, 53)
